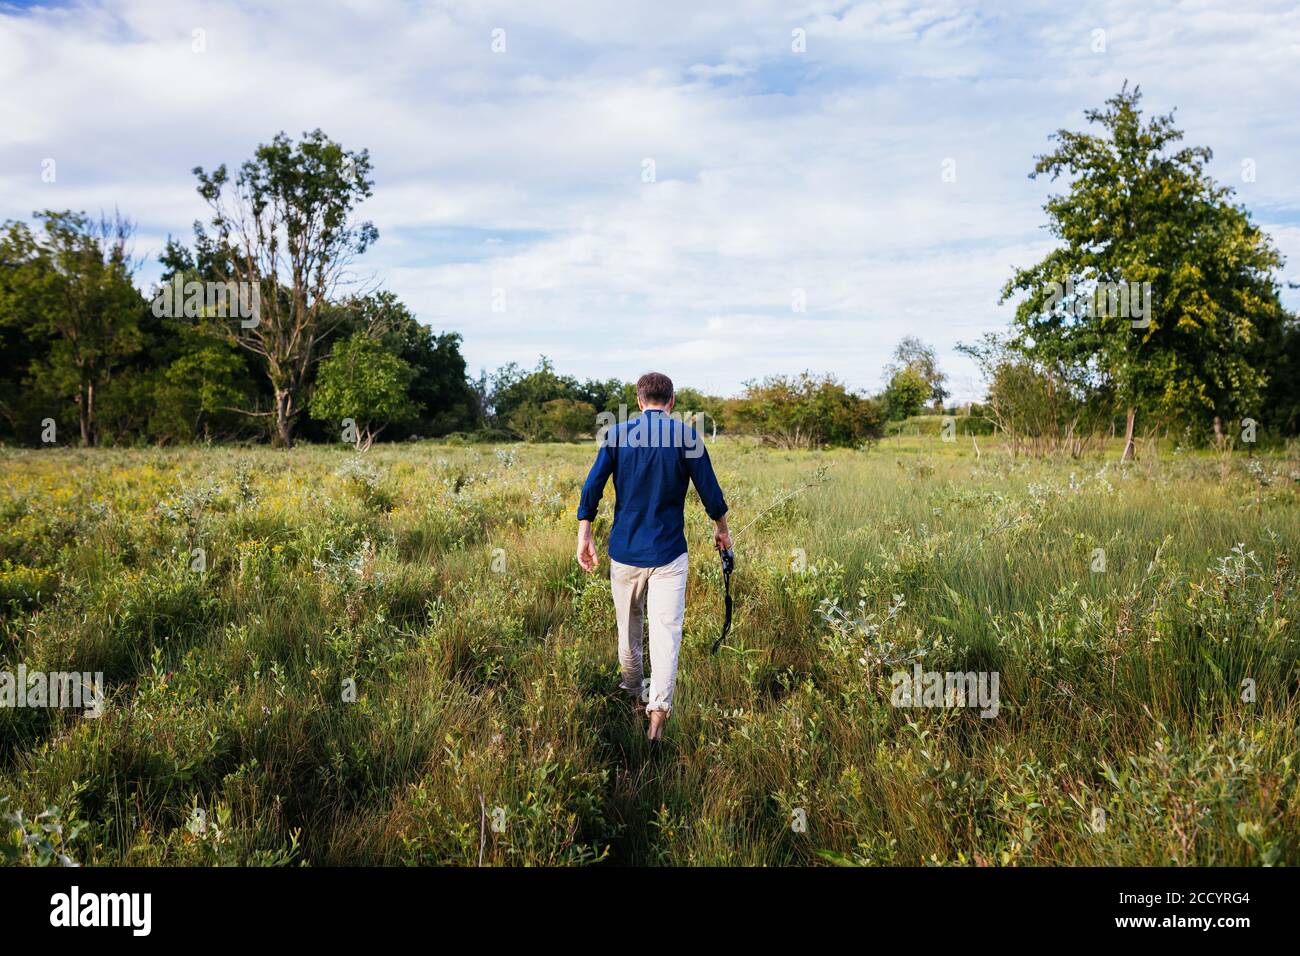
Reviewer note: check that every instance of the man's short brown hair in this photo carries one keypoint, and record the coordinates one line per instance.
(654, 388)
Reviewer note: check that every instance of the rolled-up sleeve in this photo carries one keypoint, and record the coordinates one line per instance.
(594, 486)
(706, 483)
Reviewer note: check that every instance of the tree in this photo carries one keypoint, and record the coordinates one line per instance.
(204, 383)
(73, 285)
(906, 393)
(364, 382)
(915, 356)
(512, 387)
(518, 398)
(284, 228)
(443, 396)
(20, 348)
(705, 412)
(1283, 397)
(606, 395)
(1162, 290)
(189, 397)
(188, 379)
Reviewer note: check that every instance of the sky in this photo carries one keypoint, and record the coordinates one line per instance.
(718, 191)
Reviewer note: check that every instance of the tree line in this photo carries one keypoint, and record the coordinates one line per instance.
(1158, 312)
(256, 330)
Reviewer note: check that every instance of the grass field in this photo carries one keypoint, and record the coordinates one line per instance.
(1148, 711)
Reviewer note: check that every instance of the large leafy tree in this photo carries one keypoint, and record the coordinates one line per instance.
(71, 285)
(1140, 208)
(285, 225)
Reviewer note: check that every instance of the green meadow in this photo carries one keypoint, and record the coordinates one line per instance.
(314, 658)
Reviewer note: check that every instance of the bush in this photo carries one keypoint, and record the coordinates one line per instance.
(560, 419)
(808, 412)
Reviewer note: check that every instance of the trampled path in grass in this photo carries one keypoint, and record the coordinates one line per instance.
(314, 657)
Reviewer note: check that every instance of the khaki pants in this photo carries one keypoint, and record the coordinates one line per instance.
(658, 594)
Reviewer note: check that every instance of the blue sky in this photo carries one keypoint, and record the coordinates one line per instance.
(518, 176)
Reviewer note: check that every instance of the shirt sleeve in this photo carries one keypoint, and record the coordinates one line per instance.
(706, 483)
(594, 487)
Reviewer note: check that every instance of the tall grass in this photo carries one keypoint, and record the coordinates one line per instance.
(234, 598)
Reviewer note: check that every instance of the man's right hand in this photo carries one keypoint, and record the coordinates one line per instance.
(721, 536)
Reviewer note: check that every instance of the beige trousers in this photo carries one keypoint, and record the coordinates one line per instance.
(659, 595)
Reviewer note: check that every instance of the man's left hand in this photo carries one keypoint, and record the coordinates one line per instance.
(587, 556)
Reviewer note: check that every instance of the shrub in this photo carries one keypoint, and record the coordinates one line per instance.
(807, 412)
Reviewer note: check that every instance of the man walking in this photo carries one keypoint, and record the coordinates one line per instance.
(652, 458)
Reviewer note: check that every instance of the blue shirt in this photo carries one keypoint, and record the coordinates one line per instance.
(652, 457)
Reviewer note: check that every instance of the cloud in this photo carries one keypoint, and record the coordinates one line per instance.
(775, 173)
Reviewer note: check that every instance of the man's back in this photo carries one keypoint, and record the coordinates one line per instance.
(651, 458)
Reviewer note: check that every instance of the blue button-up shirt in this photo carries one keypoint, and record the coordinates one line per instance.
(652, 457)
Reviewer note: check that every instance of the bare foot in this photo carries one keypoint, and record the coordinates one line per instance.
(657, 720)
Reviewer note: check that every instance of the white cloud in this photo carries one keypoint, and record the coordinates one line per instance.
(775, 171)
